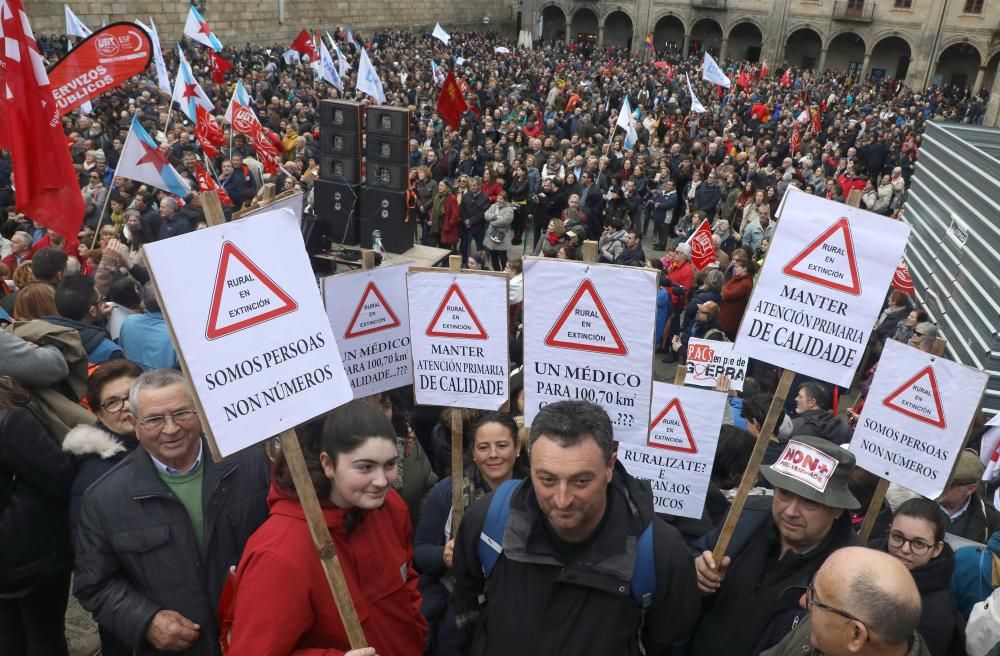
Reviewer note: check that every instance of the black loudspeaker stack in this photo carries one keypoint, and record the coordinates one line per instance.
(387, 172)
(337, 192)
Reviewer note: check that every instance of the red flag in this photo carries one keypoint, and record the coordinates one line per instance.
(208, 183)
(817, 119)
(265, 144)
(304, 44)
(786, 78)
(219, 67)
(702, 246)
(902, 281)
(796, 140)
(451, 103)
(763, 70)
(30, 127)
(209, 134)
(744, 80)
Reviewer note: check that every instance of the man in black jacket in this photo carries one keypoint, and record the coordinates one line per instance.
(473, 218)
(562, 583)
(159, 532)
(813, 415)
(749, 604)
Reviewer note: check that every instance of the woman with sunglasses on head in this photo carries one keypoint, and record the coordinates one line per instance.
(916, 539)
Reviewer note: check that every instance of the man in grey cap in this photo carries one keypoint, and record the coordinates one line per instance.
(969, 516)
(749, 601)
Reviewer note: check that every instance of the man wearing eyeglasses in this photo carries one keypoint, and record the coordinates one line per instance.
(159, 532)
(779, 542)
(861, 602)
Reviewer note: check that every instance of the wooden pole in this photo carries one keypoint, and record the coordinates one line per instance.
(680, 373)
(368, 259)
(874, 507)
(100, 217)
(590, 251)
(307, 493)
(457, 505)
(751, 472)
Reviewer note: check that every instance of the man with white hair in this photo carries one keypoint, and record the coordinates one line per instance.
(175, 222)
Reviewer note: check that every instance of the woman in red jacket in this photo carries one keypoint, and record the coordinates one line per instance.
(736, 295)
(283, 604)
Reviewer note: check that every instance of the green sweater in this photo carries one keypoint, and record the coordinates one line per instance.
(188, 488)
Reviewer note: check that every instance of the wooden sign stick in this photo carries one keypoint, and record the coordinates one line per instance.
(457, 475)
(303, 487)
(751, 472)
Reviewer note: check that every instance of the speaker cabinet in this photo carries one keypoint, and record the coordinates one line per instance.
(388, 122)
(340, 115)
(387, 150)
(333, 141)
(392, 177)
(340, 169)
(385, 211)
(337, 207)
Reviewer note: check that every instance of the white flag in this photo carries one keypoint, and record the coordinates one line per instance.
(291, 57)
(439, 33)
(75, 26)
(459, 61)
(696, 105)
(627, 122)
(368, 80)
(343, 68)
(711, 72)
(162, 76)
(327, 69)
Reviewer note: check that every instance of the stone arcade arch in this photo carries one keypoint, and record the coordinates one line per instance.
(668, 34)
(958, 64)
(584, 27)
(618, 30)
(553, 23)
(803, 47)
(744, 42)
(890, 58)
(706, 34)
(846, 52)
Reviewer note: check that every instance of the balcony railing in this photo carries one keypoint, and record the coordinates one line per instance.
(854, 11)
(709, 4)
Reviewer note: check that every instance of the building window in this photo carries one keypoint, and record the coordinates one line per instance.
(973, 6)
(904, 4)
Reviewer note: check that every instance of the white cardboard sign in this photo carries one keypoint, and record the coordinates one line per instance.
(709, 359)
(588, 334)
(458, 328)
(248, 320)
(371, 322)
(915, 418)
(680, 449)
(821, 288)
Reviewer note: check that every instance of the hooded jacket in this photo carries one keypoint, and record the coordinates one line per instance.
(972, 580)
(758, 602)
(539, 602)
(821, 423)
(941, 626)
(283, 602)
(95, 340)
(95, 450)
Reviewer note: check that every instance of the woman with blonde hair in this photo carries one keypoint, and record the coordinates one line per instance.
(34, 301)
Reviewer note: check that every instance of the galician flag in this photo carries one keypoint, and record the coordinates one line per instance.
(711, 72)
(240, 99)
(197, 29)
(368, 80)
(75, 26)
(627, 122)
(696, 105)
(141, 160)
(437, 73)
(440, 34)
(327, 70)
(187, 92)
(162, 76)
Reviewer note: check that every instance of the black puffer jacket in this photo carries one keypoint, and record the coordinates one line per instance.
(136, 552)
(822, 423)
(34, 492)
(941, 625)
(539, 604)
(758, 602)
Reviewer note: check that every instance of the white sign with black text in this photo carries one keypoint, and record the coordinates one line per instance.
(708, 359)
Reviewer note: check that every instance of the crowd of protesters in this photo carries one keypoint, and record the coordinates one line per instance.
(105, 474)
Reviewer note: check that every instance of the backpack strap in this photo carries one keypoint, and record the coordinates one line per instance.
(491, 537)
(644, 571)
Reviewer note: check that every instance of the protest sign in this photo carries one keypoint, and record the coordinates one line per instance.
(709, 359)
(821, 288)
(371, 323)
(588, 334)
(680, 449)
(458, 332)
(914, 423)
(255, 341)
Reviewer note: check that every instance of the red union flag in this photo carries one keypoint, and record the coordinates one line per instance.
(219, 67)
(207, 183)
(451, 103)
(702, 246)
(30, 127)
(209, 133)
(796, 140)
(902, 281)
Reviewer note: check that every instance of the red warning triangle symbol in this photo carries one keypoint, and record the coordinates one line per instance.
(829, 261)
(373, 314)
(919, 398)
(585, 325)
(244, 295)
(455, 317)
(671, 431)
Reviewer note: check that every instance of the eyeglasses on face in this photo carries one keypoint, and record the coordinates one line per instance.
(114, 404)
(813, 602)
(917, 546)
(179, 417)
